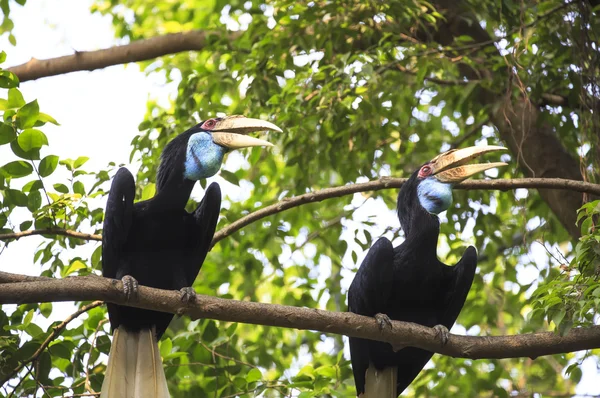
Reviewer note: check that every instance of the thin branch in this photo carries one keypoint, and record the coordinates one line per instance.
(88, 386)
(57, 330)
(51, 231)
(336, 192)
(442, 82)
(472, 131)
(401, 334)
(388, 182)
(140, 50)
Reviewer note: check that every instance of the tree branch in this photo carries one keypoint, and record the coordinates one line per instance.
(140, 50)
(402, 333)
(51, 231)
(336, 192)
(56, 330)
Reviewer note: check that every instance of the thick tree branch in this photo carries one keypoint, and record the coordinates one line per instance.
(56, 331)
(336, 192)
(141, 50)
(402, 333)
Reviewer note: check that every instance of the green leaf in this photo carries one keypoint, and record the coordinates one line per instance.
(80, 161)
(253, 375)
(34, 201)
(230, 177)
(75, 266)
(27, 319)
(149, 191)
(48, 165)
(79, 188)
(15, 197)
(7, 133)
(60, 349)
(44, 118)
(7, 80)
(15, 98)
(166, 346)
(96, 256)
(46, 309)
(17, 169)
(25, 225)
(33, 154)
(28, 115)
(32, 139)
(62, 188)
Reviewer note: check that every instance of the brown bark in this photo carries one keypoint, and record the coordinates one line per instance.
(140, 50)
(400, 335)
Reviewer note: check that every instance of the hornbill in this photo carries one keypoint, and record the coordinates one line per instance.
(157, 243)
(408, 282)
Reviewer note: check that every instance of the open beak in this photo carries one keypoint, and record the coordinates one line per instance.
(452, 167)
(230, 132)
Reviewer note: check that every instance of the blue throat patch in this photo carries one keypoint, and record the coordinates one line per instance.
(203, 157)
(435, 196)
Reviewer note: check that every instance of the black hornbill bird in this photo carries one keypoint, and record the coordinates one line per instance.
(408, 282)
(157, 243)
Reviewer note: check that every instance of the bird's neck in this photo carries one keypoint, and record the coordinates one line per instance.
(423, 229)
(175, 192)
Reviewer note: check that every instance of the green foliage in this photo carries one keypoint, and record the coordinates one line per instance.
(358, 98)
(572, 297)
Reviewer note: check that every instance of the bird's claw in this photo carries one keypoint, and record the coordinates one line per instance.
(383, 320)
(442, 332)
(130, 286)
(188, 294)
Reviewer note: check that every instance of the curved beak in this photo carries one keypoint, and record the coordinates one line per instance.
(230, 132)
(452, 167)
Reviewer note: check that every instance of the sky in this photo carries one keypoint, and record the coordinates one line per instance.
(99, 113)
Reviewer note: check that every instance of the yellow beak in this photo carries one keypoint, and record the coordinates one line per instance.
(230, 132)
(452, 167)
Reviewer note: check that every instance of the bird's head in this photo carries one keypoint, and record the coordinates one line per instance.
(198, 153)
(432, 183)
(209, 141)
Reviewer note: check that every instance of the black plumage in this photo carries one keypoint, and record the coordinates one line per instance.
(408, 282)
(157, 241)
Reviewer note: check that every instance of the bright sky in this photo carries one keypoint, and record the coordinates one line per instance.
(99, 113)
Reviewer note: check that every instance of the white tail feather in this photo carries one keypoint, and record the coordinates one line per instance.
(134, 367)
(380, 383)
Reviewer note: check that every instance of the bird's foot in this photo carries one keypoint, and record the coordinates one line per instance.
(442, 332)
(383, 320)
(130, 286)
(188, 294)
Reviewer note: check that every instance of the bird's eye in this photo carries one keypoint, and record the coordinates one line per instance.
(209, 124)
(425, 171)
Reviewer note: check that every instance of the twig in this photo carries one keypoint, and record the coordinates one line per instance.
(401, 334)
(474, 130)
(57, 330)
(88, 386)
(51, 231)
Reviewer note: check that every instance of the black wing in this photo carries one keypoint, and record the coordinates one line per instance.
(206, 216)
(368, 293)
(117, 221)
(462, 274)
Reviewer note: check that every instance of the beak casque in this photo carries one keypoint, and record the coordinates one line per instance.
(452, 167)
(230, 132)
